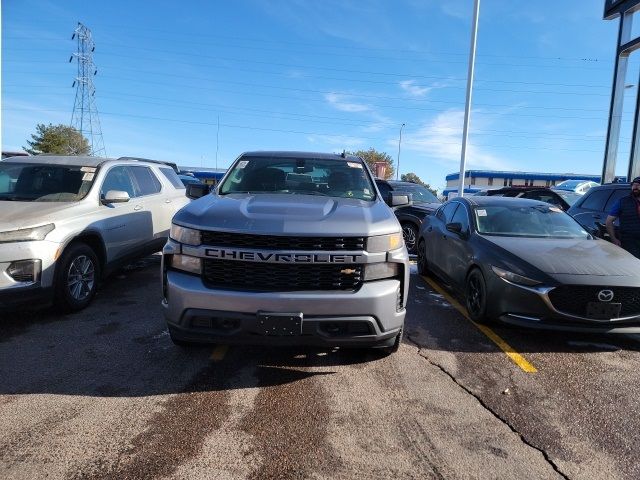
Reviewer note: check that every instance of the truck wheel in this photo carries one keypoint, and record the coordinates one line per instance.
(410, 235)
(76, 278)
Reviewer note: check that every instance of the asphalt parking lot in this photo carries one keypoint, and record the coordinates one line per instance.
(105, 394)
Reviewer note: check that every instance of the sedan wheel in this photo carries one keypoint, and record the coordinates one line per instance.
(476, 296)
(423, 267)
(410, 235)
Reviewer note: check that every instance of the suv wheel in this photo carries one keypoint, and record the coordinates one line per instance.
(410, 235)
(77, 278)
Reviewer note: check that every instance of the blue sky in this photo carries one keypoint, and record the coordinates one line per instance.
(323, 76)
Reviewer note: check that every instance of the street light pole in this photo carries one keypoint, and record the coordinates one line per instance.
(467, 108)
(399, 142)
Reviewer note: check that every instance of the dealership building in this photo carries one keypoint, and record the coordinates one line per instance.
(477, 180)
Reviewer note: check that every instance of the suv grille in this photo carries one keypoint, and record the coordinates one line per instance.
(277, 277)
(573, 299)
(240, 240)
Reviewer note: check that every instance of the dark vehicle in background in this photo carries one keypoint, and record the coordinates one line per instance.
(410, 217)
(524, 263)
(560, 198)
(188, 179)
(592, 209)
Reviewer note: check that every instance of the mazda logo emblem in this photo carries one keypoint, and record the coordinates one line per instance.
(605, 295)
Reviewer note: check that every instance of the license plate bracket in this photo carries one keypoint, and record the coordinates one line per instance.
(603, 311)
(280, 324)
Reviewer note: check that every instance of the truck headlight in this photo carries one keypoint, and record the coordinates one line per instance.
(514, 277)
(384, 243)
(377, 271)
(186, 263)
(185, 235)
(26, 234)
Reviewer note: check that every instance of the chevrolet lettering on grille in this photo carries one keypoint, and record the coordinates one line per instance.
(282, 257)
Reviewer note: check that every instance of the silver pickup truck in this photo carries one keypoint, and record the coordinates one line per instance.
(291, 248)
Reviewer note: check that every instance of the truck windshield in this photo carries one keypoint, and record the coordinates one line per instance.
(303, 176)
(44, 182)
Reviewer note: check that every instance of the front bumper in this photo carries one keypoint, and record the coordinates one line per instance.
(531, 308)
(366, 317)
(34, 295)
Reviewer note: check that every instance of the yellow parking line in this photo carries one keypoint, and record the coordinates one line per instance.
(493, 336)
(219, 352)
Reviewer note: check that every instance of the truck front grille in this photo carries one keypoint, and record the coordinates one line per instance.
(278, 277)
(276, 242)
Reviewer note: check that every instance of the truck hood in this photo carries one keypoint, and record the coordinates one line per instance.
(286, 214)
(568, 257)
(17, 215)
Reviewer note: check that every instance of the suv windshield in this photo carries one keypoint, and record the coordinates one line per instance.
(304, 176)
(418, 192)
(29, 182)
(529, 221)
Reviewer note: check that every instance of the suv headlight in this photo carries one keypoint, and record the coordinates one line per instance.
(515, 278)
(384, 243)
(27, 234)
(185, 235)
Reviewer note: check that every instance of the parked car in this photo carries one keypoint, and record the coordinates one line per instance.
(527, 263)
(188, 179)
(592, 209)
(560, 198)
(291, 248)
(577, 186)
(68, 221)
(410, 216)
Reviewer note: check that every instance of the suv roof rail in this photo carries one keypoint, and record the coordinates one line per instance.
(160, 162)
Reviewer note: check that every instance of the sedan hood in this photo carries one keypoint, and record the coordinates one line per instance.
(562, 257)
(286, 214)
(17, 215)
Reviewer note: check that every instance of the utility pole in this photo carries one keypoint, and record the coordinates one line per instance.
(399, 142)
(85, 113)
(467, 108)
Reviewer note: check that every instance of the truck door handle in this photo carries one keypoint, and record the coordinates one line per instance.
(137, 207)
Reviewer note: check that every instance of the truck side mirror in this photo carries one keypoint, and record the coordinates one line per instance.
(399, 199)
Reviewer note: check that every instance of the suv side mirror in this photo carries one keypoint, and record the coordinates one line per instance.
(115, 196)
(455, 227)
(399, 199)
(197, 190)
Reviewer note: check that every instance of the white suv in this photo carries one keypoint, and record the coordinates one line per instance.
(67, 221)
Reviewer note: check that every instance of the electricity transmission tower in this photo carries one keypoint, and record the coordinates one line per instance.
(85, 113)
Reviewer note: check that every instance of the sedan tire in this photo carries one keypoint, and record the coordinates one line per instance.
(423, 265)
(476, 296)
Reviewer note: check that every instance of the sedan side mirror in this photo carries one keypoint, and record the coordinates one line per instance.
(455, 227)
(399, 199)
(197, 190)
(115, 196)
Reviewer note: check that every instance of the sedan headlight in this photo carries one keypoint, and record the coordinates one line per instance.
(515, 278)
(26, 234)
(384, 243)
(185, 235)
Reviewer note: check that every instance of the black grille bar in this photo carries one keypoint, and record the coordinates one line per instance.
(277, 242)
(278, 277)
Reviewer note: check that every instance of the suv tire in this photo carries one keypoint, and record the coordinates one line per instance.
(410, 236)
(76, 278)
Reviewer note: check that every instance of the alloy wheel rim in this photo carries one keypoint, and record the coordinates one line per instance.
(474, 298)
(409, 237)
(422, 256)
(81, 278)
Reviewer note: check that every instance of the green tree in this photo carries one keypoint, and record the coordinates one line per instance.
(413, 178)
(372, 156)
(58, 140)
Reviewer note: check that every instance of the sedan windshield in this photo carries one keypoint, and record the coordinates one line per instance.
(44, 182)
(302, 176)
(527, 221)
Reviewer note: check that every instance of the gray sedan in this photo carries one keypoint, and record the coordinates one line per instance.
(528, 263)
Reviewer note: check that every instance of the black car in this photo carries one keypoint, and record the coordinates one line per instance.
(560, 198)
(530, 264)
(410, 217)
(594, 206)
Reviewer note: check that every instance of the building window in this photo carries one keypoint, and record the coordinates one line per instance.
(505, 182)
(511, 182)
(548, 183)
(473, 180)
(490, 181)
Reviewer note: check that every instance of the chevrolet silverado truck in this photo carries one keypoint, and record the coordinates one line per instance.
(291, 248)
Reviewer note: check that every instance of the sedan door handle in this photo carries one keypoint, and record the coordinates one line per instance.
(137, 207)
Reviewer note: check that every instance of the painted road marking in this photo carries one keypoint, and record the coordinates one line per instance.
(493, 336)
(219, 352)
